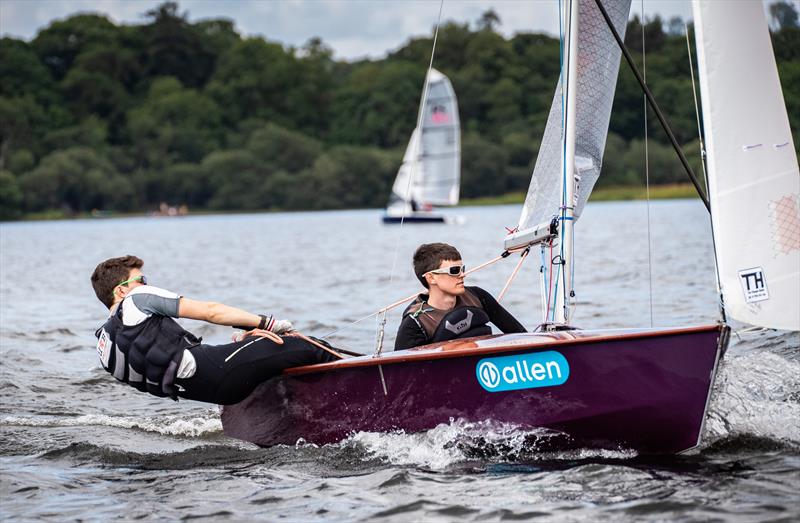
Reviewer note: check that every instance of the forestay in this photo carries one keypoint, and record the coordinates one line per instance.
(753, 175)
(597, 68)
(433, 156)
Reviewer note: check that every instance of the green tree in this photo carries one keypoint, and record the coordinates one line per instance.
(77, 180)
(378, 104)
(784, 16)
(483, 168)
(343, 178)
(489, 20)
(253, 80)
(10, 196)
(185, 184)
(790, 79)
(22, 74)
(21, 120)
(219, 35)
(59, 44)
(277, 148)
(29, 104)
(174, 125)
(20, 161)
(237, 179)
(614, 170)
(174, 47)
(93, 93)
(91, 132)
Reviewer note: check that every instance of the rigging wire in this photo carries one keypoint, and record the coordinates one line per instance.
(705, 175)
(543, 278)
(647, 175)
(514, 273)
(420, 113)
(391, 306)
(564, 85)
(696, 108)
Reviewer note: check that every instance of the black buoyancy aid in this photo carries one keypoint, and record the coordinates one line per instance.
(146, 355)
(465, 320)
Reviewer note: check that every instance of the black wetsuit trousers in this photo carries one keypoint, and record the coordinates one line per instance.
(227, 374)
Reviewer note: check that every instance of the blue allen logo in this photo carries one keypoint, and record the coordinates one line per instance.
(522, 371)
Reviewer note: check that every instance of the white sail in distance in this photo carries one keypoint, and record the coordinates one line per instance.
(433, 157)
(753, 176)
(597, 69)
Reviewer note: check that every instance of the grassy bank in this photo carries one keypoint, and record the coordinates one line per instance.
(657, 192)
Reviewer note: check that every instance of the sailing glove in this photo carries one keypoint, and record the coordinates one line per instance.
(277, 326)
(282, 327)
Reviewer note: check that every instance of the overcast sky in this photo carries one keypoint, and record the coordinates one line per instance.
(352, 28)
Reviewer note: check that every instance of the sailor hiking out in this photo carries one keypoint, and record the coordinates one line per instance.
(142, 345)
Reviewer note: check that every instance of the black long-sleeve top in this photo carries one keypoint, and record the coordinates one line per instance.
(411, 334)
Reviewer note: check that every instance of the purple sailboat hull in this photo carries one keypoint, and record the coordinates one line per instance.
(645, 390)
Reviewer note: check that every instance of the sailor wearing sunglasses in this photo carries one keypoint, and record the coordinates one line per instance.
(449, 309)
(142, 345)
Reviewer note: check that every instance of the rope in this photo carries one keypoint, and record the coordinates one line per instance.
(550, 281)
(513, 274)
(647, 177)
(317, 344)
(391, 306)
(563, 21)
(543, 278)
(420, 113)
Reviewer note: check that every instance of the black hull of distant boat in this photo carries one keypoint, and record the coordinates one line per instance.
(430, 218)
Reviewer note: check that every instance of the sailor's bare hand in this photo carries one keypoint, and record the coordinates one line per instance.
(262, 333)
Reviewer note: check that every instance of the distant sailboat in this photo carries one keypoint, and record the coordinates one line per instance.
(431, 171)
(644, 389)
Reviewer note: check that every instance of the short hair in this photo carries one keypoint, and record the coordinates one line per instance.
(429, 256)
(108, 274)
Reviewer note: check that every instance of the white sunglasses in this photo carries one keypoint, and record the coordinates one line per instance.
(453, 270)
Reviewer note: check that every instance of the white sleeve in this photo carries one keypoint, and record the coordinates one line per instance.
(145, 301)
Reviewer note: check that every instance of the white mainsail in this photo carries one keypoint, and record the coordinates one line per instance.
(754, 181)
(433, 157)
(596, 80)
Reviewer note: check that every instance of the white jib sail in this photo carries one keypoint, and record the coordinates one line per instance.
(754, 181)
(433, 156)
(597, 70)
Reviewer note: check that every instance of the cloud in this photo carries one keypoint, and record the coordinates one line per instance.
(352, 28)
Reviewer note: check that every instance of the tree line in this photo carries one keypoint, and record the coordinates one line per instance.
(99, 116)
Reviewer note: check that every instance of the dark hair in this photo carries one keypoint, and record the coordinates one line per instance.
(429, 256)
(108, 274)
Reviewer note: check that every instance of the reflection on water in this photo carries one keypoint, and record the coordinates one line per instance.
(72, 438)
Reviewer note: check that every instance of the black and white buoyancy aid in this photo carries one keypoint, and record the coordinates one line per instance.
(146, 355)
(465, 320)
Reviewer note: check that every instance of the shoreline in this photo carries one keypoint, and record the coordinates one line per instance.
(603, 194)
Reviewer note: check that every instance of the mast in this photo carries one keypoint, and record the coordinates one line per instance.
(567, 214)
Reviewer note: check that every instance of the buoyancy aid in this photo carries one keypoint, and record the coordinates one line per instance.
(146, 355)
(465, 320)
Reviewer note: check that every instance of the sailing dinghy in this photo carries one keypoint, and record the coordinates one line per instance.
(431, 171)
(642, 389)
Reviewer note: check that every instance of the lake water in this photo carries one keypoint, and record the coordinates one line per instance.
(78, 445)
